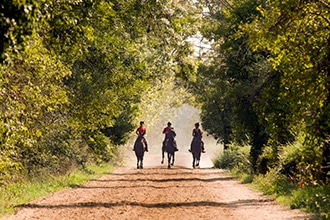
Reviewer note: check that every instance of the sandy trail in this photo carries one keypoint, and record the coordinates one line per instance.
(156, 192)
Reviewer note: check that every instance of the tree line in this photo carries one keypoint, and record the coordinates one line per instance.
(76, 75)
(265, 82)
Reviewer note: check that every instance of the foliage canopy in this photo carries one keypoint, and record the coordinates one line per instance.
(76, 75)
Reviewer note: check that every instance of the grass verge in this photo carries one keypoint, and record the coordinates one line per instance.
(311, 198)
(18, 193)
(314, 199)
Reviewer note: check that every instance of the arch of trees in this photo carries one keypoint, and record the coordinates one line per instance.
(75, 75)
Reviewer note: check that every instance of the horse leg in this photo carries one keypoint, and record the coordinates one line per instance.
(198, 159)
(169, 160)
(193, 163)
(163, 155)
(172, 159)
(141, 160)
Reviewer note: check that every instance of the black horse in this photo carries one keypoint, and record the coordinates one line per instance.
(163, 153)
(196, 150)
(170, 147)
(139, 148)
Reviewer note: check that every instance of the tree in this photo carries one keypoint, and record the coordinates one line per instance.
(17, 20)
(296, 34)
(230, 85)
(73, 92)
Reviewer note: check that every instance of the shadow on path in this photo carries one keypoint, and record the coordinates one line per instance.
(231, 204)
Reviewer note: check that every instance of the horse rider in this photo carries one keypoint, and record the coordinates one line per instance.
(197, 136)
(169, 130)
(141, 131)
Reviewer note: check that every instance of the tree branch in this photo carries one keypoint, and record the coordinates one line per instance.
(324, 3)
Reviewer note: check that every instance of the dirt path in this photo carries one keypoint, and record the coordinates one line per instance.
(159, 193)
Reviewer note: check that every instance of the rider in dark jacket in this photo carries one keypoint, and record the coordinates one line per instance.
(197, 137)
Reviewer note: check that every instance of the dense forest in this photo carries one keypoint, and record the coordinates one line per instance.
(77, 75)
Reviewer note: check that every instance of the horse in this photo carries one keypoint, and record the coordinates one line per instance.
(163, 153)
(170, 147)
(139, 148)
(196, 150)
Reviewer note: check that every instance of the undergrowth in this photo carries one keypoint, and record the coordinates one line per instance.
(312, 198)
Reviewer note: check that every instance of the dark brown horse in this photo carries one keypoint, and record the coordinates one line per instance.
(139, 148)
(169, 146)
(163, 153)
(196, 150)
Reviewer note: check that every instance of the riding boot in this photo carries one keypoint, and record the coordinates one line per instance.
(191, 144)
(175, 146)
(145, 142)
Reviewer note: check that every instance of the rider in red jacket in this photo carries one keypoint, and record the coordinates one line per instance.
(167, 131)
(141, 131)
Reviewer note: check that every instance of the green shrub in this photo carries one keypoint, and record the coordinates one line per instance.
(273, 183)
(291, 174)
(314, 199)
(236, 159)
(226, 160)
(100, 147)
(306, 153)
